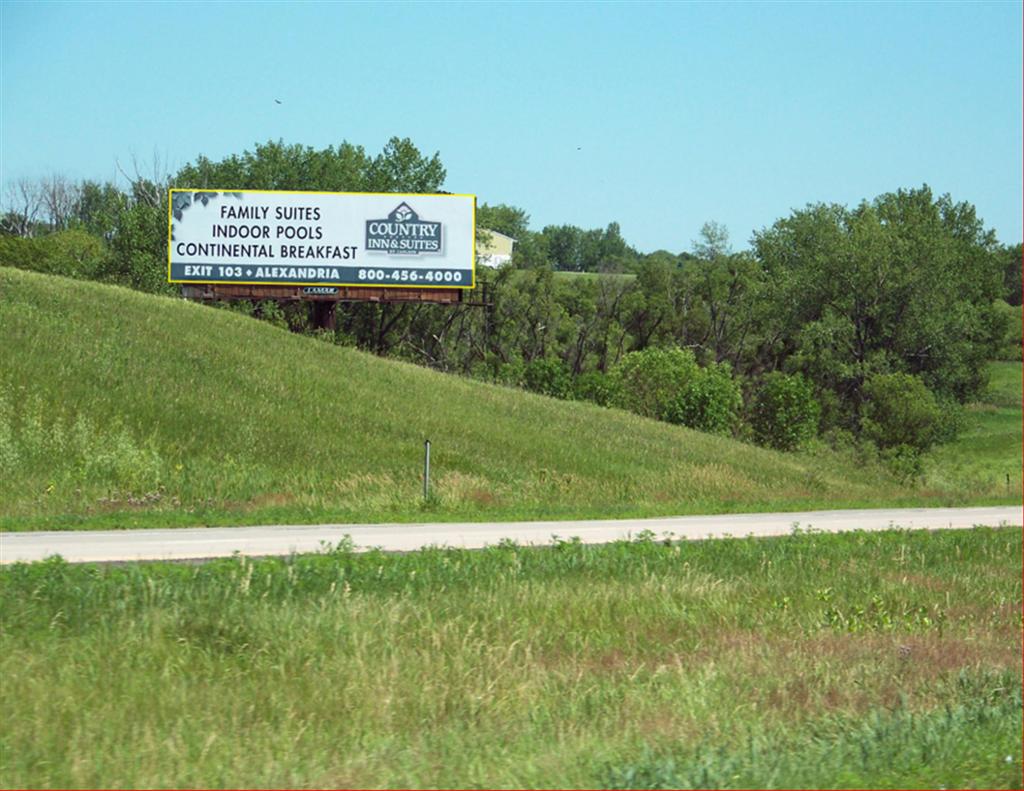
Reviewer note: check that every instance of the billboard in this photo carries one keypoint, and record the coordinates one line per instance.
(277, 238)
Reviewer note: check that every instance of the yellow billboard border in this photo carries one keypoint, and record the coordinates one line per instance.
(170, 206)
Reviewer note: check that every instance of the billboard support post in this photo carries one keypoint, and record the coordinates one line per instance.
(426, 470)
(325, 316)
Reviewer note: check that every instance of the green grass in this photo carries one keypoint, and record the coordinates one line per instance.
(120, 409)
(986, 457)
(622, 278)
(856, 660)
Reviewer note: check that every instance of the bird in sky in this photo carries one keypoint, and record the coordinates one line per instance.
(278, 101)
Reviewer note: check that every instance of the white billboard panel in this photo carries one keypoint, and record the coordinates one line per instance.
(258, 237)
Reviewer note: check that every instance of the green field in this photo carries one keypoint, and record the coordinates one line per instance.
(888, 660)
(622, 278)
(121, 409)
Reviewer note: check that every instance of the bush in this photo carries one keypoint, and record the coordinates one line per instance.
(900, 411)
(71, 253)
(1010, 348)
(951, 420)
(511, 373)
(710, 401)
(903, 461)
(547, 376)
(77, 254)
(649, 382)
(596, 387)
(667, 384)
(23, 253)
(785, 412)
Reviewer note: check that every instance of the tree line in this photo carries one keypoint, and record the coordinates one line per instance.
(864, 326)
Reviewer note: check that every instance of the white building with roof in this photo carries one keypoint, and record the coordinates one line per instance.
(496, 249)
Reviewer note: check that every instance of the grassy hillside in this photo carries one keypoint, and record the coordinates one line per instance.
(123, 409)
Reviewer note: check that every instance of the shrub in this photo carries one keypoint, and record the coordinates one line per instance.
(667, 384)
(1010, 348)
(547, 376)
(710, 401)
(951, 420)
(23, 253)
(649, 382)
(72, 253)
(511, 373)
(76, 253)
(596, 387)
(900, 411)
(785, 412)
(903, 461)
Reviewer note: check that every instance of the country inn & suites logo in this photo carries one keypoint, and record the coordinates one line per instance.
(403, 233)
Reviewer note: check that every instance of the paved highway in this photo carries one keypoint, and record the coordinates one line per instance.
(209, 542)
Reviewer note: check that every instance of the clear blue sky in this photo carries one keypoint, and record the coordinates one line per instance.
(659, 116)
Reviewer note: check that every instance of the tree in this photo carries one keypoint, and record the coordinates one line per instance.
(400, 167)
(728, 286)
(61, 198)
(713, 242)
(503, 218)
(99, 206)
(138, 247)
(653, 306)
(276, 165)
(904, 283)
(529, 250)
(564, 246)
(1011, 257)
(23, 201)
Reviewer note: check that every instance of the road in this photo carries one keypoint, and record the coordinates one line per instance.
(210, 542)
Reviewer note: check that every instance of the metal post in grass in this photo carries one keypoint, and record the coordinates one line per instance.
(426, 470)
